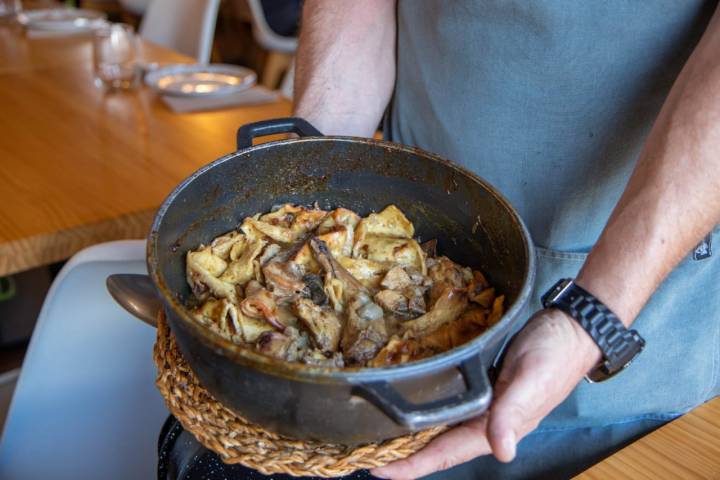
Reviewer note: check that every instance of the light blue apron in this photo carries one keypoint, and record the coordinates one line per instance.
(551, 102)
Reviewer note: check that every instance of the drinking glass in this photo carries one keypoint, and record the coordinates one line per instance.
(115, 57)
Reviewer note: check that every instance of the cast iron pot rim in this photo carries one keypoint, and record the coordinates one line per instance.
(250, 357)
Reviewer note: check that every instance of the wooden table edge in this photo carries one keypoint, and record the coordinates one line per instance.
(30, 252)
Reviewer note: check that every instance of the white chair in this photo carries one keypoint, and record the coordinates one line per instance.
(85, 405)
(265, 35)
(281, 49)
(136, 7)
(187, 26)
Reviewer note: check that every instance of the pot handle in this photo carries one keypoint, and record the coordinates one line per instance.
(136, 294)
(246, 133)
(470, 403)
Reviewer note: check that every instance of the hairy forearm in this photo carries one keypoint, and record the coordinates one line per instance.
(345, 68)
(673, 197)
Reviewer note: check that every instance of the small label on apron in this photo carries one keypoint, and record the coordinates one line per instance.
(703, 249)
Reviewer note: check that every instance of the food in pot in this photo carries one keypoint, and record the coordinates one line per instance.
(335, 289)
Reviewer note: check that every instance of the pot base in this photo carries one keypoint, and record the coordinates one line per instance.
(236, 440)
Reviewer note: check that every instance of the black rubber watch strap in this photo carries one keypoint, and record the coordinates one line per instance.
(619, 345)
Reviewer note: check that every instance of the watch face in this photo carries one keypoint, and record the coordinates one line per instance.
(555, 292)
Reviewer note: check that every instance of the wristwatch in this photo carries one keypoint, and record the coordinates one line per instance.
(619, 345)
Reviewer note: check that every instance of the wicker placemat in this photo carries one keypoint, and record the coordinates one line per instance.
(236, 440)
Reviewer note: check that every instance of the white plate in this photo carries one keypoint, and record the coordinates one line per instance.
(200, 80)
(61, 19)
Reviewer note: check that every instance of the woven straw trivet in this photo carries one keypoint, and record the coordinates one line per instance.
(236, 440)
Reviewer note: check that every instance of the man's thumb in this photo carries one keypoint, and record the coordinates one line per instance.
(502, 429)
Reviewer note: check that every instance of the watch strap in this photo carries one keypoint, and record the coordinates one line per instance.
(618, 344)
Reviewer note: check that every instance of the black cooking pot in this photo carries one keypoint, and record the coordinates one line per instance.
(474, 226)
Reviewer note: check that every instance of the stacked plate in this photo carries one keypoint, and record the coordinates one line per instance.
(61, 20)
(200, 80)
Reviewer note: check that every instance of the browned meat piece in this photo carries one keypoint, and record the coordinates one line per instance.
(429, 247)
(395, 351)
(396, 279)
(468, 326)
(484, 298)
(417, 277)
(497, 311)
(323, 324)
(449, 305)
(393, 302)
(479, 290)
(444, 273)
(365, 332)
(416, 301)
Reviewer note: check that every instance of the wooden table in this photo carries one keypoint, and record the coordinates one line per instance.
(80, 166)
(686, 448)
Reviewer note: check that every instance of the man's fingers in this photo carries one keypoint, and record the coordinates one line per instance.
(515, 410)
(454, 447)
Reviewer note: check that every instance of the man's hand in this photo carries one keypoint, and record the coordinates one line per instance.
(544, 363)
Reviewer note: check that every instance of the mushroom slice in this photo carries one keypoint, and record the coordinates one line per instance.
(335, 241)
(393, 302)
(450, 304)
(416, 300)
(314, 289)
(333, 269)
(322, 323)
(365, 333)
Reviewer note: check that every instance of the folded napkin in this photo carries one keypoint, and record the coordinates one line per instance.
(36, 33)
(252, 96)
(86, 29)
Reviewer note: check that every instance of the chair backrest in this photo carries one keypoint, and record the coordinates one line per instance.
(187, 26)
(265, 35)
(136, 7)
